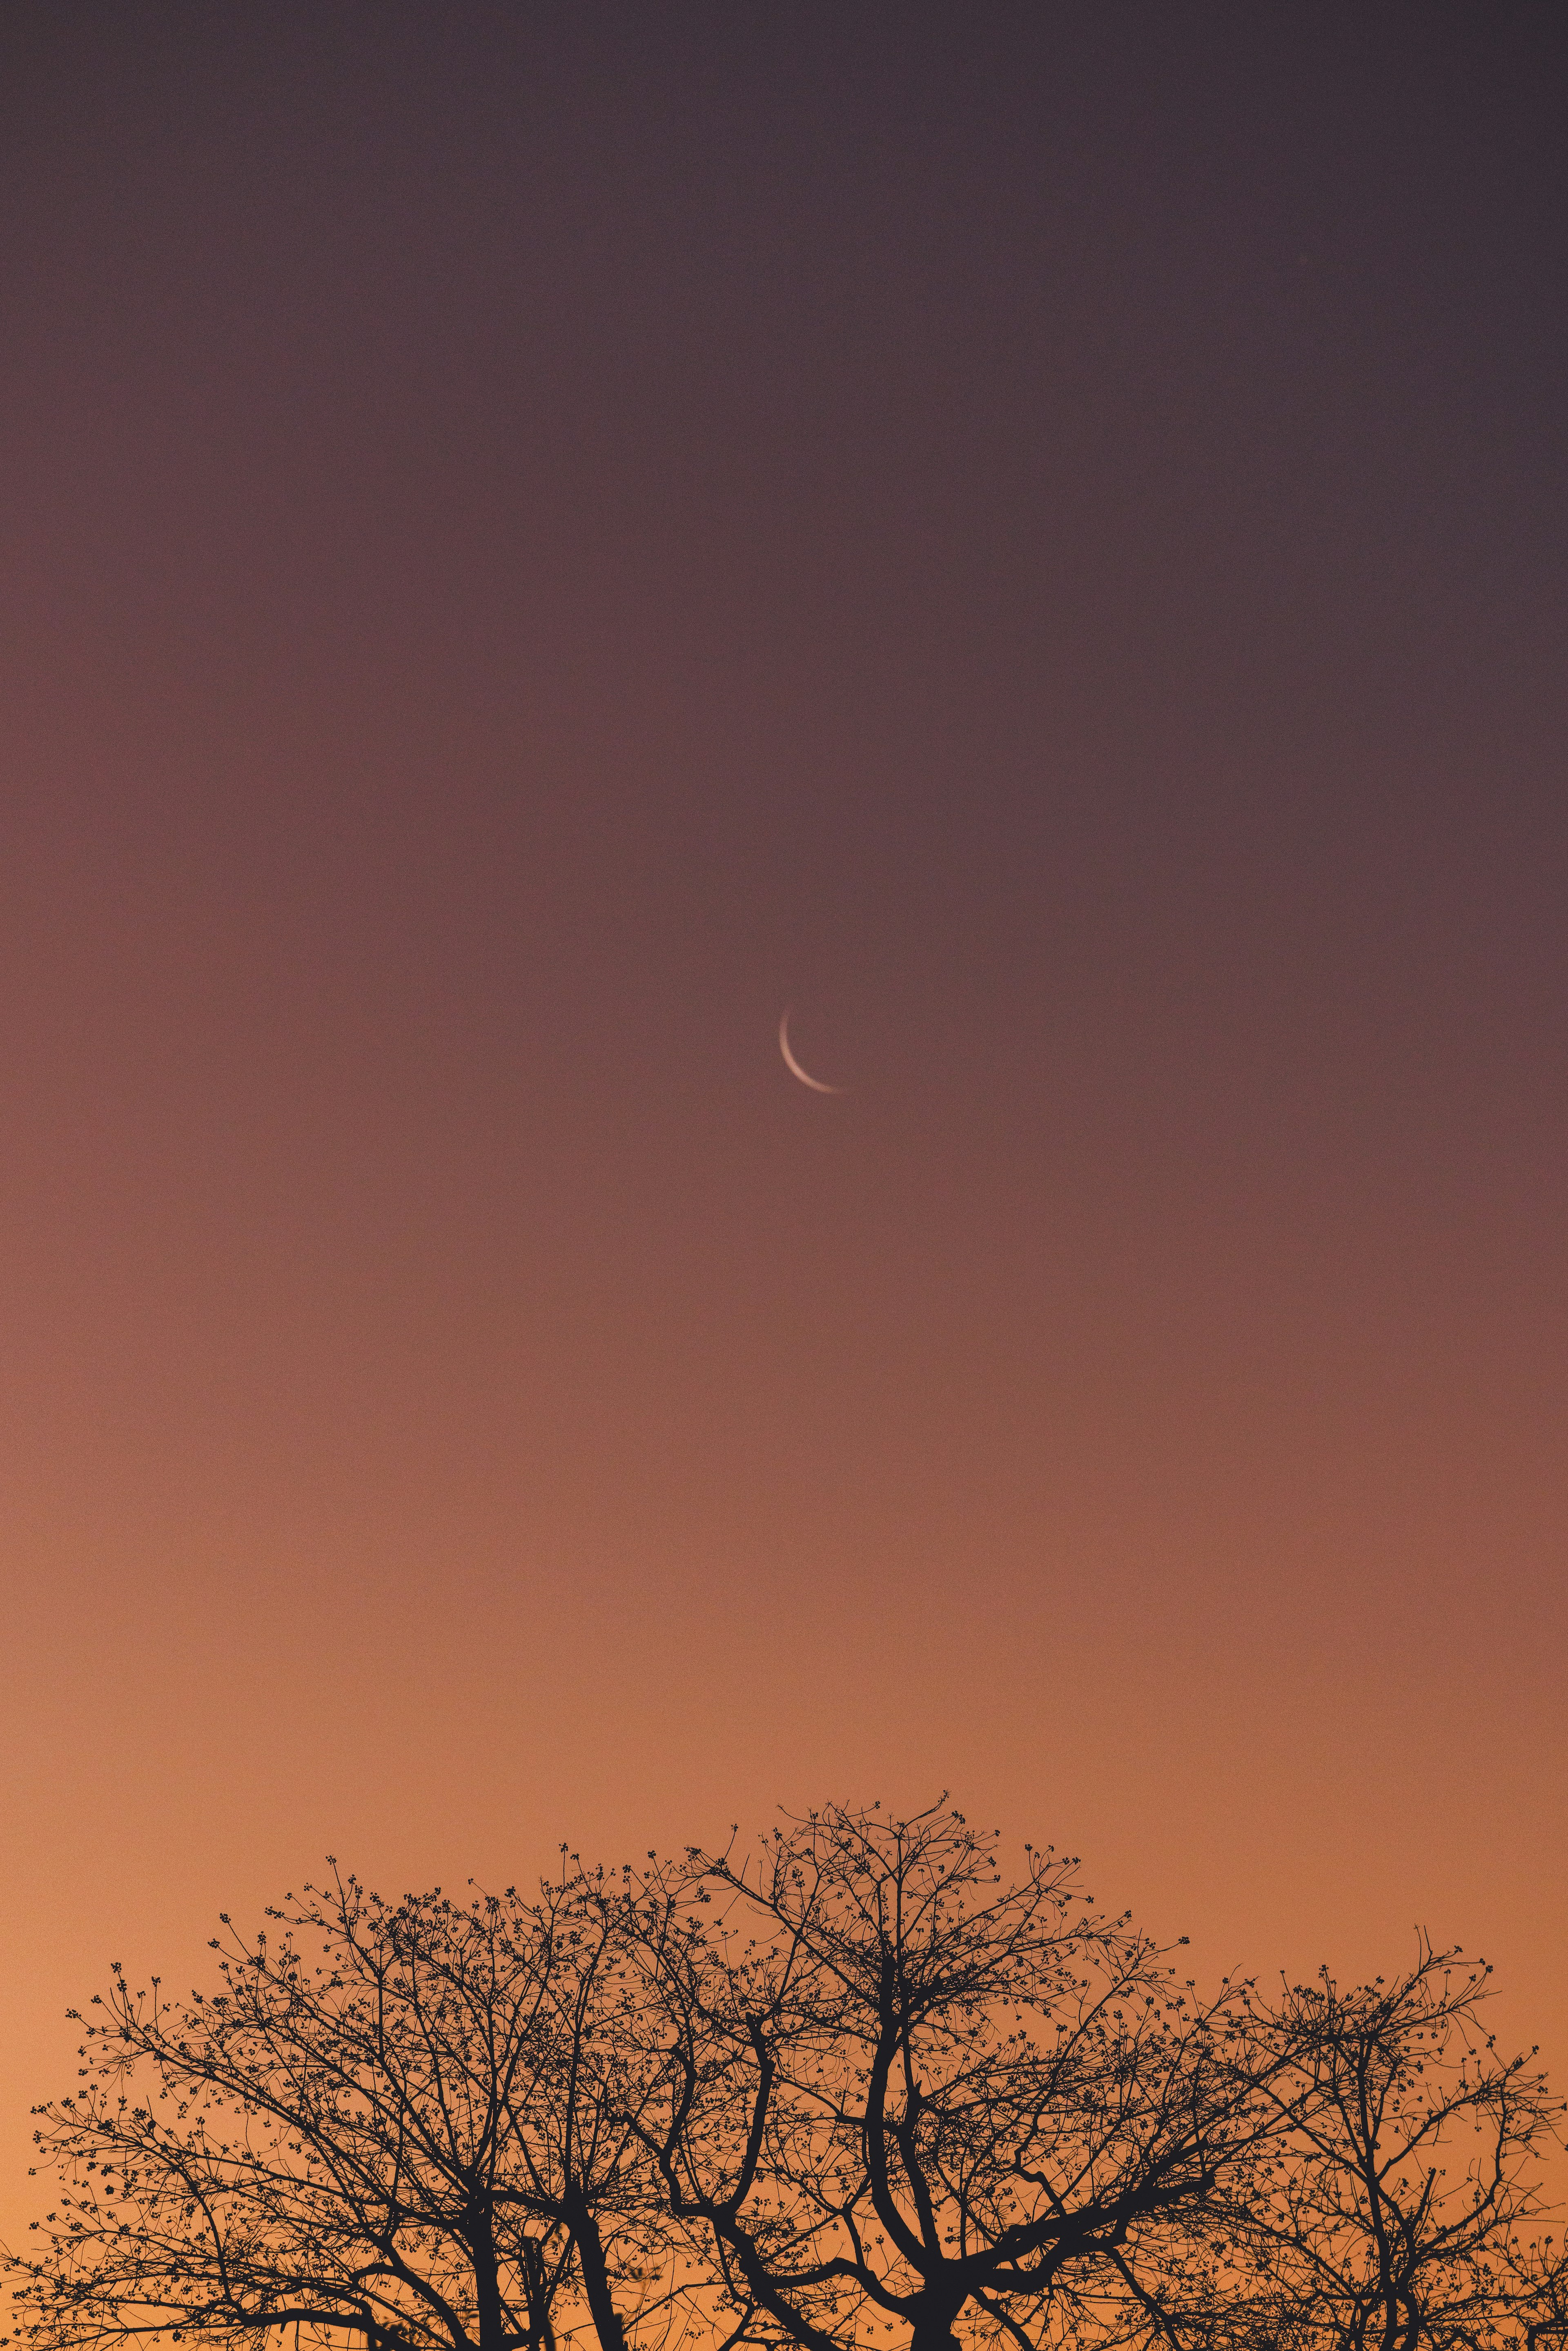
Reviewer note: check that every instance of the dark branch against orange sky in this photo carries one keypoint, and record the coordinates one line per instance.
(538, 541)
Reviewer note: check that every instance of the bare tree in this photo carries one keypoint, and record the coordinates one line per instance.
(852, 2093)
(399, 2122)
(911, 2098)
(1400, 2207)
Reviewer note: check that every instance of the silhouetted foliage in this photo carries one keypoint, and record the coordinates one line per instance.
(394, 2123)
(1402, 2190)
(913, 2097)
(853, 2092)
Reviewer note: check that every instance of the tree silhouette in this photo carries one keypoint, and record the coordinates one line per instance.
(852, 2092)
(1399, 2206)
(394, 2122)
(913, 2099)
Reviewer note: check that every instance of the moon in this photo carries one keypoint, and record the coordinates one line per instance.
(793, 1066)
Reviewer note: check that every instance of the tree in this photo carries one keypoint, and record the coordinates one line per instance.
(852, 2093)
(394, 2122)
(911, 2099)
(1400, 2204)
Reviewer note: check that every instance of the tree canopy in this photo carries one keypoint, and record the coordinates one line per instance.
(855, 2088)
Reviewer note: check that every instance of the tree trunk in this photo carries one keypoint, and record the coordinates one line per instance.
(595, 2272)
(932, 2331)
(487, 2289)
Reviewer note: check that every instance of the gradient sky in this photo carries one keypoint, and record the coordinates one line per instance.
(535, 536)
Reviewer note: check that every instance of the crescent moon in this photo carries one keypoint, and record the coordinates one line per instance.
(793, 1066)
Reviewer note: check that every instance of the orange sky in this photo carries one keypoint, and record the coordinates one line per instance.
(533, 539)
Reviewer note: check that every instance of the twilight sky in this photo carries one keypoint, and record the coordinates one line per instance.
(534, 537)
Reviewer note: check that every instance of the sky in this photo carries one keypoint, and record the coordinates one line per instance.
(534, 538)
